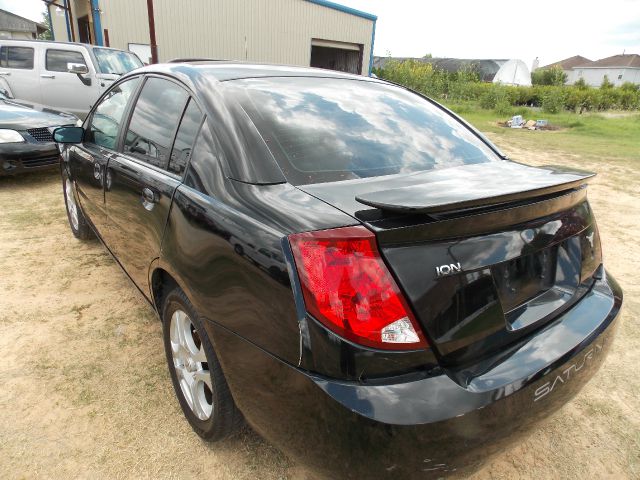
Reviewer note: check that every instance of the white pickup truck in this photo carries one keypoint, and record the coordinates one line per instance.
(67, 77)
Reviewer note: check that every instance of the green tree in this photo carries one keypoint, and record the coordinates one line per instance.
(606, 83)
(580, 84)
(46, 35)
(549, 76)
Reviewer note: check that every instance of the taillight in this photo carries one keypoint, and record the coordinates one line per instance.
(348, 288)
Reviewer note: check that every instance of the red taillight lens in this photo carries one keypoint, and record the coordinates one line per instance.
(348, 288)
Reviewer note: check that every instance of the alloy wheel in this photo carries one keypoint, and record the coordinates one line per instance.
(190, 363)
(72, 207)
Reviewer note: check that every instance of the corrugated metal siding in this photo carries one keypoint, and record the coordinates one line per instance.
(273, 31)
(126, 20)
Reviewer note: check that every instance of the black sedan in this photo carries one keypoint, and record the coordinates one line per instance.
(26, 143)
(344, 263)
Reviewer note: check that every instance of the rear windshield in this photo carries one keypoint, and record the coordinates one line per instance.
(325, 130)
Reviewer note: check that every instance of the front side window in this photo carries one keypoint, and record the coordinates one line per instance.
(184, 138)
(116, 61)
(154, 121)
(58, 60)
(16, 57)
(107, 117)
(331, 129)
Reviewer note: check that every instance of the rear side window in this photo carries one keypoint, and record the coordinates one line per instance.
(154, 121)
(184, 138)
(107, 117)
(57, 60)
(16, 57)
(330, 129)
(204, 172)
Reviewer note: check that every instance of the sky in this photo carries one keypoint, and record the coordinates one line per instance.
(525, 29)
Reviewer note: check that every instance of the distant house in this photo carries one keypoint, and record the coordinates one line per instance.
(15, 26)
(512, 72)
(568, 64)
(618, 69)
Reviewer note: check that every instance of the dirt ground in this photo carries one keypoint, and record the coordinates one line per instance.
(85, 392)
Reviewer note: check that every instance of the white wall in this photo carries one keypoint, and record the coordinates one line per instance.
(59, 24)
(595, 76)
(16, 35)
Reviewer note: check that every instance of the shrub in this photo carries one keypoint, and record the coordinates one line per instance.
(493, 96)
(585, 100)
(504, 108)
(629, 87)
(629, 99)
(464, 86)
(552, 101)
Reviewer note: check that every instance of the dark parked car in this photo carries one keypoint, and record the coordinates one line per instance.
(26, 143)
(363, 275)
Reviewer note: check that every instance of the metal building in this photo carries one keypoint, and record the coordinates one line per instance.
(318, 33)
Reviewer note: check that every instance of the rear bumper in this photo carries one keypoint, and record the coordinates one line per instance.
(426, 427)
(18, 158)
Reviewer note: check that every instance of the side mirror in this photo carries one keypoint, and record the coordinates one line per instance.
(77, 68)
(68, 134)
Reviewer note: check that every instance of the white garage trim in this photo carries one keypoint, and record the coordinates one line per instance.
(316, 42)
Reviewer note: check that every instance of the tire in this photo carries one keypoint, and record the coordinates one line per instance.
(77, 221)
(196, 374)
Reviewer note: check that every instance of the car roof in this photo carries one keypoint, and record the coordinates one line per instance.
(224, 70)
(53, 42)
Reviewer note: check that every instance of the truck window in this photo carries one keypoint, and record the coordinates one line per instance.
(16, 57)
(57, 60)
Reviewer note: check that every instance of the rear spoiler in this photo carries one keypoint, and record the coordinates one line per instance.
(473, 186)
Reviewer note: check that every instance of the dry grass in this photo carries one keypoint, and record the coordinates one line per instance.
(85, 393)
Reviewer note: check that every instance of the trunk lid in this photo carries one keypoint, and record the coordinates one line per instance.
(485, 253)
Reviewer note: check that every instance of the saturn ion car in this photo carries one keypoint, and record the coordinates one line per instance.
(343, 263)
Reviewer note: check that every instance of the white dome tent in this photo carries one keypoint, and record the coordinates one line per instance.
(513, 72)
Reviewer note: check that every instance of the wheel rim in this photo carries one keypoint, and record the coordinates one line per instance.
(190, 364)
(72, 208)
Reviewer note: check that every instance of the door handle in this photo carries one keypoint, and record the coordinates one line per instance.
(148, 195)
(44, 75)
(97, 171)
(149, 198)
(6, 74)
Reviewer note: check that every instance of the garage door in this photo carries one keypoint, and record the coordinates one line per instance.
(341, 56)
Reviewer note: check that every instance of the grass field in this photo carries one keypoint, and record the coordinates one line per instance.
(85, 391)
(614, 136)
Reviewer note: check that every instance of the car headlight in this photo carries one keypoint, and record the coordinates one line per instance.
(10, 136)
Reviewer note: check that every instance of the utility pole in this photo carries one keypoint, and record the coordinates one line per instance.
(152, 32)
